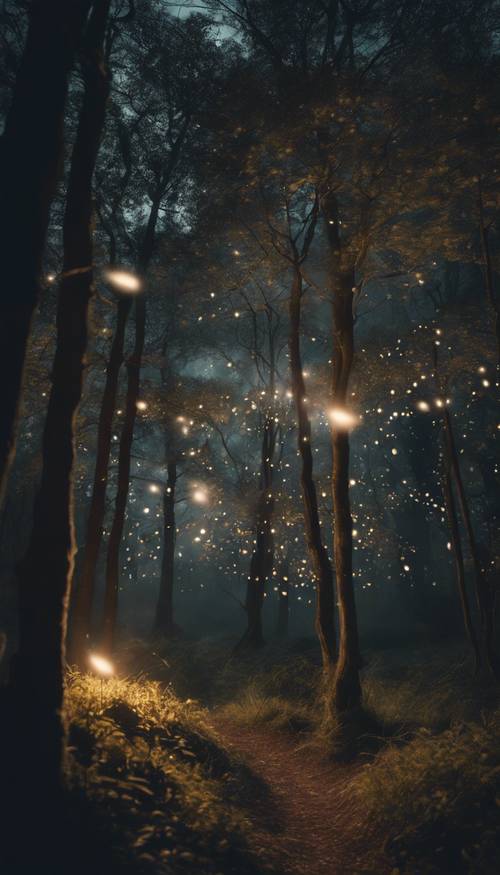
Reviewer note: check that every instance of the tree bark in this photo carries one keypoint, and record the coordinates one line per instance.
(31, 155)
(126, 438)
(484, 596)
(488, 271)
(164, 624)
(283, 601)
(261, 563)
(347, 687)
(46, 571)
(325, 599)
(110, 610)
(457, 552)
(84, 596)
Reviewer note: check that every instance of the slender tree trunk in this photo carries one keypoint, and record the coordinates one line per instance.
(110, 611)
(164, 624)
(488, 271)
(457, 552)
(84, 596)
(422, 462)
(347, 691)
(126, 438)
(46, 571)
(283, 601)
(261, 563)
(31, 154)
(484, 596)
(325, 599)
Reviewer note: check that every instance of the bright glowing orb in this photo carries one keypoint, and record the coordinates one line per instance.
(124, 281)
(200, 496)
(423, 406)
(101, 665)
(342, 419)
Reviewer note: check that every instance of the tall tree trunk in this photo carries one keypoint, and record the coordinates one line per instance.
(283, 600)
(488, 270)
(457, 552)
(422, 460)
(484, 596)
(325, 600)
(347, 689)
(110, 611)
(261, 563)
(46, 571)
(164, 624)
(126, 438)
(31, 155)
(84, 595)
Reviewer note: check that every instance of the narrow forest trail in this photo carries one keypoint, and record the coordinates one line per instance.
(312, 827)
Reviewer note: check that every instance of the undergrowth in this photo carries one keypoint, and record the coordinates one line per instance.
(157, 784)
(429, 775)
(257, 708)
(437, 799)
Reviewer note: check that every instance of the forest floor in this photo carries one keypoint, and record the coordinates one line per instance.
(189, 760)
(311, 828)
(419, 790)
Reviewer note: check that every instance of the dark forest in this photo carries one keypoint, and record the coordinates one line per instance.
(249, 468)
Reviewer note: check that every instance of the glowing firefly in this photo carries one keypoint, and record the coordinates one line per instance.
(124, 281)
(101, 665)
(342, 419)
(199, 496)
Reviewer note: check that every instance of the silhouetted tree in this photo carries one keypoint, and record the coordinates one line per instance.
(28, 178)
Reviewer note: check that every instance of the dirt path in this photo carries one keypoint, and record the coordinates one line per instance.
(317, 830)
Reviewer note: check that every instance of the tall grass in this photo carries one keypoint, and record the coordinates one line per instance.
(428, 777)
(436, 799)
(154, 781)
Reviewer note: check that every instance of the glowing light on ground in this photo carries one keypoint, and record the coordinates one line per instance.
(141, 405)
(124, 281)
(101, 665)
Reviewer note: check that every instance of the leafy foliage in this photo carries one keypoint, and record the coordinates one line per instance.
(438, 799)
(156, 779)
